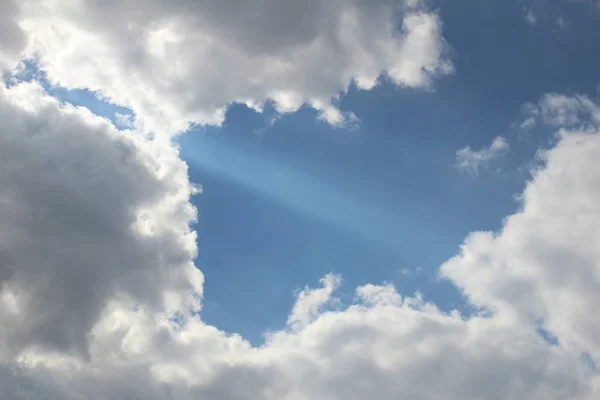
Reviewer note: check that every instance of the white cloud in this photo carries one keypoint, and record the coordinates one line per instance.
(176, 62)
(125, 121)
(471, 161)
(96, 251)
(384, 346)
(545, 263)
(310, 302)
(97, 325)
(559, 110)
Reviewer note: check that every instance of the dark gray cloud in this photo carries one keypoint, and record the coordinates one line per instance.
(72, 188)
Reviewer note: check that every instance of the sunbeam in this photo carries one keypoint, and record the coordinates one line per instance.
(290, 185)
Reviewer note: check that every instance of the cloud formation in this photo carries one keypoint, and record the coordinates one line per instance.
(559, 110)
(180, 62)
(98, 260)
(99, 296)
(471, 161)
(544, 264)
(88, 213)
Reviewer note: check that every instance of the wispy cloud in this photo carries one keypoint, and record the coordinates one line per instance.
(560, 110)
(530, 17)
(471, 161)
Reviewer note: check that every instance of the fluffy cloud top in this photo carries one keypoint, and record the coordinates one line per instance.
(180, 62)
(544, 267)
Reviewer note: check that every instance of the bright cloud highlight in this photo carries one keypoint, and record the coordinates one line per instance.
(99, 294)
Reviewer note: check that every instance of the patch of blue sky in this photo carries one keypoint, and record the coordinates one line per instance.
(281, 209)
(29, 71)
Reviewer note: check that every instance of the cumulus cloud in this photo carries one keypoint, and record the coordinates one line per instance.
(180, 62)
(544, 265)
(99, 296)
(471, 161)
(87, 213)
(97, 282)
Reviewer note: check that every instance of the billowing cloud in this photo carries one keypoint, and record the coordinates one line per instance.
(471, 161)
(99, 296)
(180, 62)
(98, 281)
(88, 213)
(544, 266)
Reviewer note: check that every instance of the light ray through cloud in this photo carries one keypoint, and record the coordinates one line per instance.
(294, 187)
(118, 282)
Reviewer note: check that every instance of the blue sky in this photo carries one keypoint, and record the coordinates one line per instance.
(285, 203)
(394, 178)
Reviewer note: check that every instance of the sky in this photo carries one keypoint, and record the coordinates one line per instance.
(292, 200)
(385, 200)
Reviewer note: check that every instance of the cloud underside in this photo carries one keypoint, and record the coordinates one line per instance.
(99, 295)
